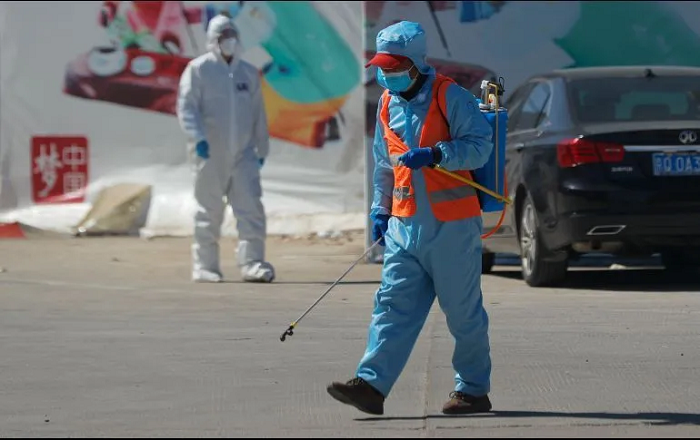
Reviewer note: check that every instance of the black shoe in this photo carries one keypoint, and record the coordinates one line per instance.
(461, 403)
(359, 394)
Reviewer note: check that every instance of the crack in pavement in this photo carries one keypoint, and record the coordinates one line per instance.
(426, 399)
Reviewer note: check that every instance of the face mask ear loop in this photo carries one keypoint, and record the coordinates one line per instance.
(414, 80)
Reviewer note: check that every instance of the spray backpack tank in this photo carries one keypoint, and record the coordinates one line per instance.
(492, 174)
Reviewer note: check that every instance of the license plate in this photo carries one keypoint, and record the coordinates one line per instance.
(676, 164)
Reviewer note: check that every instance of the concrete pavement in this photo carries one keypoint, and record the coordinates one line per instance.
(107, 337)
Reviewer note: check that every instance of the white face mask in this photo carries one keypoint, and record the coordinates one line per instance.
(228, 46)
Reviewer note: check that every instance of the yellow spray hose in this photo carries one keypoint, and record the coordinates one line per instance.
(474, 184)
(495, 98)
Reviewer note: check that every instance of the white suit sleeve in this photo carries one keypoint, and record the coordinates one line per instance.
(261, 136)
(189, 98)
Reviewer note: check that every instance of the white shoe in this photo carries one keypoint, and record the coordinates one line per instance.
(204, 276)
(258, 272)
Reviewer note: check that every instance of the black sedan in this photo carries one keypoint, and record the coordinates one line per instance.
(601, 160)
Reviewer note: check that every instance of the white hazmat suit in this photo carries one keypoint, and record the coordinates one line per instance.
(222, 104)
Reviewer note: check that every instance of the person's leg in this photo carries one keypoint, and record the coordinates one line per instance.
(401, 306)
(208, 194)
(245, 196)
(455, 264)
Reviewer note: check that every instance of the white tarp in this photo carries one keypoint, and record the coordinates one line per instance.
(55, 84)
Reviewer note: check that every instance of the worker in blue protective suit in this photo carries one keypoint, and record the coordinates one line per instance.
(220, 108)
(424, 257)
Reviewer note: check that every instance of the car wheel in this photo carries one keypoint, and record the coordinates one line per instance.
(487, 262)
(680, 260)
(536, 271)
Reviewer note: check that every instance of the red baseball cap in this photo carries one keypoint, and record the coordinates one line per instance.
(387, 61)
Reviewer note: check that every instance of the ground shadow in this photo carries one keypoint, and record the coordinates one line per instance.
(310, 283)
(592, 272)
(632, 280)
(653, 418)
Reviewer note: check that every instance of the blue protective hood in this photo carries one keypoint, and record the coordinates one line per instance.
(405, 38)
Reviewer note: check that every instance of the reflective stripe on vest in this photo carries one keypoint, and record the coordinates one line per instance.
(446, 195)
(449, 198)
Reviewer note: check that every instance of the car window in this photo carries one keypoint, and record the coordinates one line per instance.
(662, 98)
(515, 102)
(518, 95)
(533, 111)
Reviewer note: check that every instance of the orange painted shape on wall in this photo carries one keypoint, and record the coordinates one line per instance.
(303, 124)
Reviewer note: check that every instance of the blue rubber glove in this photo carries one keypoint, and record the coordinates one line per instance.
(380, 223)
(417, 158)
(202, 148)
(261, 162)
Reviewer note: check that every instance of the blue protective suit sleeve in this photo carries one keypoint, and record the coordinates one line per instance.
(189, 98)
(383, 177)
(471, 133)
(261, 135)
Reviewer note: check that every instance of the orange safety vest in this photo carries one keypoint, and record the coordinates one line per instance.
(449, 198)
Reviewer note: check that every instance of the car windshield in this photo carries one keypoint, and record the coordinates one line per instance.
(599, 100)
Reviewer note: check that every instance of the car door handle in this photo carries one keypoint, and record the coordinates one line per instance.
(519, 146)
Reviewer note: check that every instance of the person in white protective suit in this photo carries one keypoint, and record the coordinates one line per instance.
(221, 110)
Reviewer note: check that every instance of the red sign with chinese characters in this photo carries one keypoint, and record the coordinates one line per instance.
(59, 169)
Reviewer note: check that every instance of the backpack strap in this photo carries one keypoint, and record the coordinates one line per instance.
(442, 105)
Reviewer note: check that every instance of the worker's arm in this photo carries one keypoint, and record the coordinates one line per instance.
(383, 172)
(261, 135)
(189, 100)
(471, 133)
